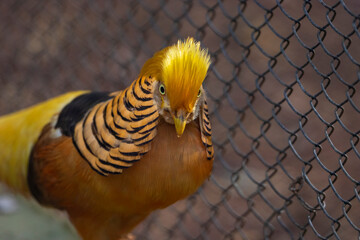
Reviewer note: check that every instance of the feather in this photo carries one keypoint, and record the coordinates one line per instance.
(18, 134)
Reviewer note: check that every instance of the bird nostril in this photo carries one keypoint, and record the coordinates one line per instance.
(181, 113)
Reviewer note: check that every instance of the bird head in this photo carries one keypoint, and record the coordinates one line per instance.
(179, 71)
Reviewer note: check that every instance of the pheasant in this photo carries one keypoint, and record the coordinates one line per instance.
(109, 159)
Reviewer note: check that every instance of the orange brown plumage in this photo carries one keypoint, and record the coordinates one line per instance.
(109, 160)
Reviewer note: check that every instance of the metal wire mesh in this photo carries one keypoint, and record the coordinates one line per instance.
(284, 91)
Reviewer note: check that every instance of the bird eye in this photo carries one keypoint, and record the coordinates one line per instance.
(199, 93)
(162, 89)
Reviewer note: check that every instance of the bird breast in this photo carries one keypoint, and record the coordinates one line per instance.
(173, 169)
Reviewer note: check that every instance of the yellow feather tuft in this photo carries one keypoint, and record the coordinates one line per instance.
(182, 69)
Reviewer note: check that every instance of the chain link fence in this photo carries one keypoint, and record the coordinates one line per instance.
(283, 89)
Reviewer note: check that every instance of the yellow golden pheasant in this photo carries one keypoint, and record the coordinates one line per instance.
(110, 159)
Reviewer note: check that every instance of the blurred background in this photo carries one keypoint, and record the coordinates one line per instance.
(284, 95)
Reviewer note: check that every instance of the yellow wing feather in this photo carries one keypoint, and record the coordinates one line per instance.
(19, 132)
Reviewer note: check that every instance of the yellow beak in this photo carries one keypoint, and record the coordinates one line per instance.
(180, 123)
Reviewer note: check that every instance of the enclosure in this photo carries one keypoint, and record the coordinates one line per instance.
(283, 90)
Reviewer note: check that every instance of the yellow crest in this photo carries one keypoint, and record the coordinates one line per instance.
(182, 68)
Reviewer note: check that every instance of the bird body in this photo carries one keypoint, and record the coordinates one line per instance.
(110, 159)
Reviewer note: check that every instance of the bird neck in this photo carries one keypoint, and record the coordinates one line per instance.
(114, 134)
(139, 96)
